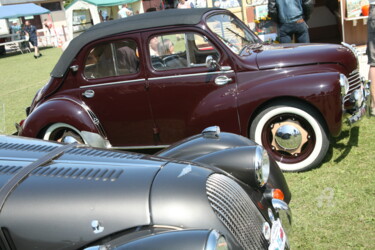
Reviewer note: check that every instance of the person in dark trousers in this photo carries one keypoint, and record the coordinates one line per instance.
(291, 17)
(33, 39)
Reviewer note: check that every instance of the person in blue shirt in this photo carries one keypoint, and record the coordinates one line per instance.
(33, 38)
(15, 28)
(291, 17)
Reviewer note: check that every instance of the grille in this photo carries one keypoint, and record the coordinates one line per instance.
(236, 211)
(354, 79)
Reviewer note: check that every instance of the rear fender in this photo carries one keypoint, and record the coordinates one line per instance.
(64, 111)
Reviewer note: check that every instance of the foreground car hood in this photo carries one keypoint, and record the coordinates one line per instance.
(84, 195)
(287, 55)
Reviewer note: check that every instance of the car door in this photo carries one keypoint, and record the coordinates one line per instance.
(185, 95)
(112, 85)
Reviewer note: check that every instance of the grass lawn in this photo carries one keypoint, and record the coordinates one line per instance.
(332, 206)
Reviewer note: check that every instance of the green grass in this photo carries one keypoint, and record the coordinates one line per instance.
(21, 76)
(332, 206)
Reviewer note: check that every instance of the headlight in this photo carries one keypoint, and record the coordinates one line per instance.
(249, 164)
(357, 97)
(344, 84)
(262, 165)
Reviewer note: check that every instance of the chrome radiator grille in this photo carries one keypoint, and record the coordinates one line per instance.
(354, 79)
(236, 211)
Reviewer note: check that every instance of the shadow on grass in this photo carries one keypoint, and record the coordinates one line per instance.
(350, 138)
(15, 53)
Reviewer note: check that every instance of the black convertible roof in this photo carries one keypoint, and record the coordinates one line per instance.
(137, 22)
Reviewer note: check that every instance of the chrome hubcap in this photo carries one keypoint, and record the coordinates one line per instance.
(289, 136)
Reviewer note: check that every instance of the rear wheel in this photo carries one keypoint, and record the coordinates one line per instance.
(293, 134)
(59, 131)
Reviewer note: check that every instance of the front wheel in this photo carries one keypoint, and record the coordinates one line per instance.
(293, 134)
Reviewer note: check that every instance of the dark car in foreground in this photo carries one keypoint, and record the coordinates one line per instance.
(211, 191)
(150, 80)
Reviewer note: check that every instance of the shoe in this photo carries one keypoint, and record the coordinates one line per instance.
(40, 55)
(372, 112)
(35, 57)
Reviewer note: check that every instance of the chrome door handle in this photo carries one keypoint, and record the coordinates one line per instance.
(89, 93)
(221, 80)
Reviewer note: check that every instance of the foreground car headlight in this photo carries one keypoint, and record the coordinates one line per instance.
(344, 84)
(262, 165)
(250, 164)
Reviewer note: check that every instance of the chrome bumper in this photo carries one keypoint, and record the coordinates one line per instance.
(285, 216)
(284, 213)
(361, 99)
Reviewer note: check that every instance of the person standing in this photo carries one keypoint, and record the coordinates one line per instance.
(183, 4)
(33, 38)
(370, 51)
(291, 17)
(124, 12)
(15, 28)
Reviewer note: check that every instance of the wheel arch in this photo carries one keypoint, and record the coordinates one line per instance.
(64, 111)
(282, 100)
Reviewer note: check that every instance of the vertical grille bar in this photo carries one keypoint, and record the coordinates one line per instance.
(354, 79)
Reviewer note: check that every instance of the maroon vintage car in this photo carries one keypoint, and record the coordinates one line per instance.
(152, 79)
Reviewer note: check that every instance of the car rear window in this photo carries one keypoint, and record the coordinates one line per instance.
(112, 59)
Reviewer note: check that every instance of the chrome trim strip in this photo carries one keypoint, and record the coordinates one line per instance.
(141, 147)
(111, 83)
(185, 75)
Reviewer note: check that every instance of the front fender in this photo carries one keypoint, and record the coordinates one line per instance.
(224, 151)
(192, 239)
(60, 110)
(319, 90)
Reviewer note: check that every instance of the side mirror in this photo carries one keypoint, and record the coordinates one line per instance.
(211, 63)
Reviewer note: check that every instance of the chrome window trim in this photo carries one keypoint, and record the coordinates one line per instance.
(195, 74)
(111, 83)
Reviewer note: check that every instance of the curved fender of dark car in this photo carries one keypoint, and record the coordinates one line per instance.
(58, 110)
(168, 240)
(73, 196)
(210, 148)
(323, 91)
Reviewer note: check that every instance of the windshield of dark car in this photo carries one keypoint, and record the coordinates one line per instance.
(232, 32)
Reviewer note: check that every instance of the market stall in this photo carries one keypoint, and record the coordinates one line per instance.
(82, 14)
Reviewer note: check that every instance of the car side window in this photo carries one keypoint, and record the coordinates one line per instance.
(112, 59)
(180, 50)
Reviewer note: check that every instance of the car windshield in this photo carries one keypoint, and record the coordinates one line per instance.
(232, 32)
